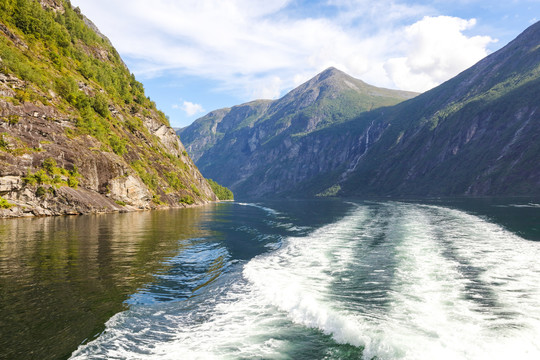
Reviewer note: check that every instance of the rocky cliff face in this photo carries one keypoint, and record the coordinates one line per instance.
(77, 134)
(258, 148)
(474, 135)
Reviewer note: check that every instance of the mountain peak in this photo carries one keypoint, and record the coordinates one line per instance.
(332, 79)
(332, 82)
(332, 72)
(530, 35)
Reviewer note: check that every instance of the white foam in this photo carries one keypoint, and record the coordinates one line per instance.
(435, 308)
(402, 281)
(266, 209)
(298, 279)
(529, 205)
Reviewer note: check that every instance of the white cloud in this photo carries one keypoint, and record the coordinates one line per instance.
(190, 108)
(265, 88)
(257, 48)
(435, 49)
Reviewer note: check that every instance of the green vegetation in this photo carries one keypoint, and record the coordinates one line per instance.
(51, 174)
(118, 144)
(187, 199)
(61, 53)
(4, 145)
(149, 178)
(15, 146)
(72, 182)
(54, 59)
(174, 181)
(100, 106)
(195, 190)
(49, 165)
(156, 199)
(331, 191)
(221, 191)
(4, 204)
(40, 191)
(71, 48)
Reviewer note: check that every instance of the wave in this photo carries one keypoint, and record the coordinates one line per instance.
(529, 205)
(389, 280)
(421, 282)
(266, 209)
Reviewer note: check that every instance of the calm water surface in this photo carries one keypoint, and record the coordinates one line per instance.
(321, 279)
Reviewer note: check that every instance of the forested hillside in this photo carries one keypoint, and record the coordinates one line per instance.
(77, 133)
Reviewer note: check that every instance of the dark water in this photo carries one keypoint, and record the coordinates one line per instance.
(321, 279)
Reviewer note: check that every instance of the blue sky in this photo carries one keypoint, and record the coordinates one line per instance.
(194, 56)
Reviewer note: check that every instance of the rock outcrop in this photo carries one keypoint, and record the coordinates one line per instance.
(79, 136)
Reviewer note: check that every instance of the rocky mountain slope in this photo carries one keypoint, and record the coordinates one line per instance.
(239, 145)
(77, 133)
(473, 135)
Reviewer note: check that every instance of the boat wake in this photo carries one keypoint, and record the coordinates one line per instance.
(388, 280)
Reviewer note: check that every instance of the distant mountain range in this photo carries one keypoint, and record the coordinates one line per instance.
(475, 135)
(252, 147)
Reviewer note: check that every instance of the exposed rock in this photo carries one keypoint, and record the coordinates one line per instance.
(10, 184)
(8, 83)
(54, 5)
(14, 38)
(130, 190)
(106, 177)
(62, 201)
(75, 142)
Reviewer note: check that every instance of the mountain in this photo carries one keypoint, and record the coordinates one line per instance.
(239, 145)
(77, 133)
(475, 135)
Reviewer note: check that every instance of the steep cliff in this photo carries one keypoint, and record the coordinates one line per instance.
(77, 133)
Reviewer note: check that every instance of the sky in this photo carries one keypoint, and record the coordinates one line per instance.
(195, 56)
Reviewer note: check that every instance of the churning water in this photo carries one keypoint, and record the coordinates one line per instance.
(384, 280)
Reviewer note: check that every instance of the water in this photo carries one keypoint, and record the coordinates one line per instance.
(325, 279)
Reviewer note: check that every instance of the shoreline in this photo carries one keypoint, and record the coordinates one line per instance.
(6, 214)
